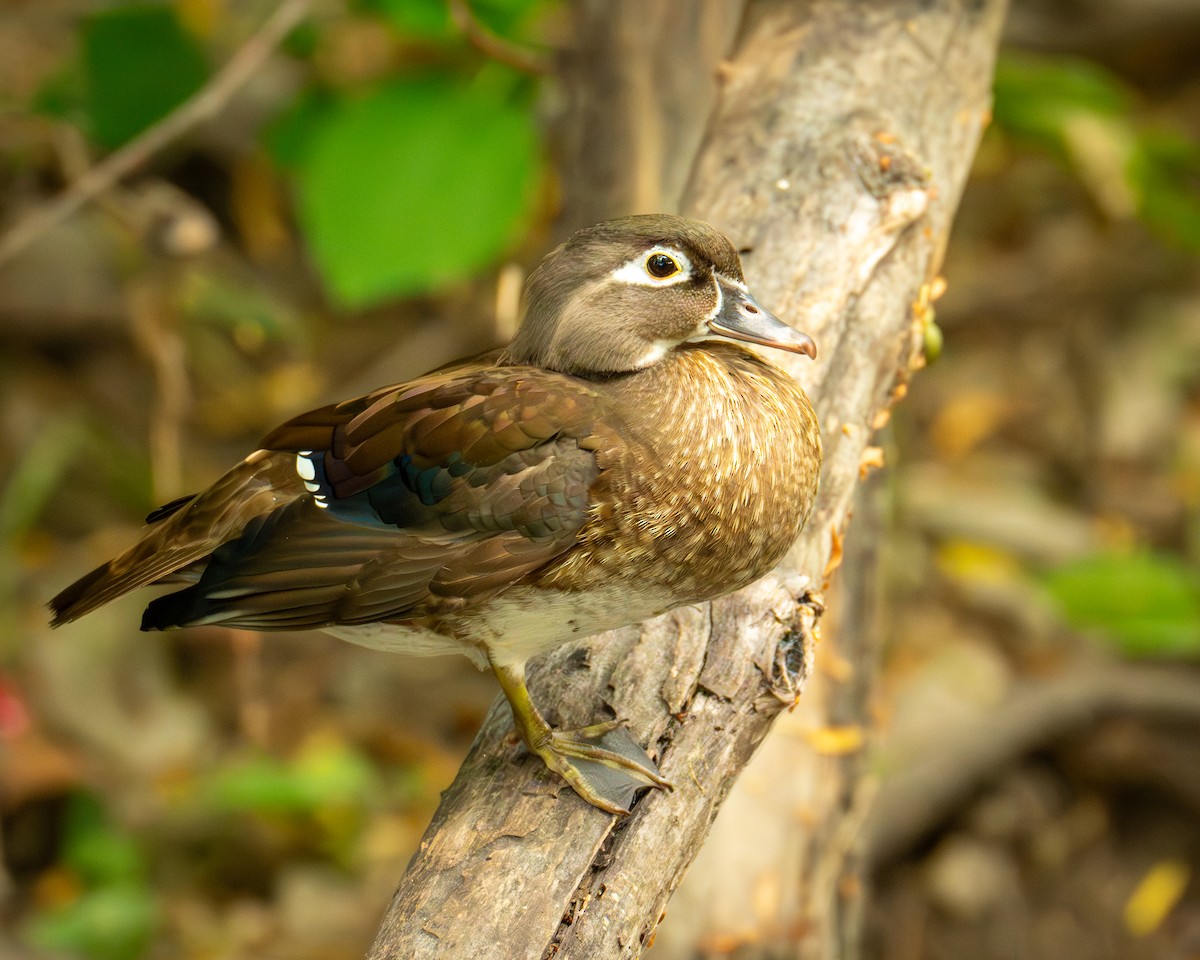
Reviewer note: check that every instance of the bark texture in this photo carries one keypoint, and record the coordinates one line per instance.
(640, 82)
(836, 154)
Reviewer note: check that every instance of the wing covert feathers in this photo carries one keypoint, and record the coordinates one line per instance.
(420, 497)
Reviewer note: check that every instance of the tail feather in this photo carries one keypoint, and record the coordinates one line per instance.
(74, 601)
(184, 533)
(138, 566)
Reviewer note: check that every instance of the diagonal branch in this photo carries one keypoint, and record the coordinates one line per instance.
(201, 106)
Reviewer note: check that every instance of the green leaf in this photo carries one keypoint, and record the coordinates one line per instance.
(334, 774)
(1165, 173)
(322, 776)
(37, 473)
(1087, 117)
(431, 20)
(1036, 97)
(115, 915)
(106, 856)
(287, 138)
(251, 312)
(97, 850)
(422, 19)
(61, 94)
(508, 17)
(303, 41)
(421, 183)
(139, 64)
(1144, 603)
(111, 923)
(260, 785)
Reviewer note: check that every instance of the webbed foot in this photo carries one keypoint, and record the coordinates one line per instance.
(602, 762)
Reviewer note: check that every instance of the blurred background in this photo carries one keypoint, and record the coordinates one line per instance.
(362, 208)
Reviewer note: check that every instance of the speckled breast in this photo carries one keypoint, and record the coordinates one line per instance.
(722, 481)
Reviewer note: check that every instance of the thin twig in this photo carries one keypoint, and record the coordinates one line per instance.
(483, 40)
(159, 339)
(201, 106)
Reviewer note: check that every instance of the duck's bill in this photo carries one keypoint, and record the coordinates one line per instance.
(741, 317)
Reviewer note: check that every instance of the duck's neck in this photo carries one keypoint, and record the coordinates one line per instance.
(710, 395)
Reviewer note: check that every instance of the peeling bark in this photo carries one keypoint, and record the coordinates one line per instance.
(836, 155)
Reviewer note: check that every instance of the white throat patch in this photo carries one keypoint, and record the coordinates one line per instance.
(657, 351)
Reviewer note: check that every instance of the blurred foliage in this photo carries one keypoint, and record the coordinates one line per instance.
(325, 774)
(415, 158)
(405, 160)
(136, 63)
(101, 905)
(99, 901)
(249, 313)
(38, 473)
(420, 182)
(1146, 604)
(422, 172)
(1164, 168)
(432, 20)
(35, 477)
(1094, 121)
(326, 790)
(139, 63)
(1156, 895)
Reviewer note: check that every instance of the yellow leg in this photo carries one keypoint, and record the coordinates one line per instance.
(602, 762)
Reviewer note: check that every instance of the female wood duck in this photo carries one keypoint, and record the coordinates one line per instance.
(620, 458)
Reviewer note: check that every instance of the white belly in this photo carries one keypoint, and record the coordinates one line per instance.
(516, 626)
(395, 638)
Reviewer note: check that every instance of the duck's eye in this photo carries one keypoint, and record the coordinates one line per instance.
(660, 266)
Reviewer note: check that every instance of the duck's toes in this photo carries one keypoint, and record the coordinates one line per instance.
(602, 763)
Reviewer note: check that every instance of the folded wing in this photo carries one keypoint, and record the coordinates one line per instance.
(407, 502)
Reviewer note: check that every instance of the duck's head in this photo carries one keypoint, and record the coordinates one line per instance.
(621, 295)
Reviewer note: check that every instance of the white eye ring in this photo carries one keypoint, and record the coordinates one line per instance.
(637, 270)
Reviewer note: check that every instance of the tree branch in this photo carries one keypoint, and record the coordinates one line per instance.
(840, 126)
(202, 105)
(962, 760)
(486, 42)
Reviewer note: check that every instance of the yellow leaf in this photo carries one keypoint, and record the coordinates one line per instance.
(967, 420)
(200, 16)
(1155, 896)
(977, 563)
(258, 207)
(56, 887)
(836, 741)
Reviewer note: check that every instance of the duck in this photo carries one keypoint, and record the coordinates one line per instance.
(625, 454)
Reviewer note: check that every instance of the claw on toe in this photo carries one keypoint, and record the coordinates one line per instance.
(606, 768)
(601, 762)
